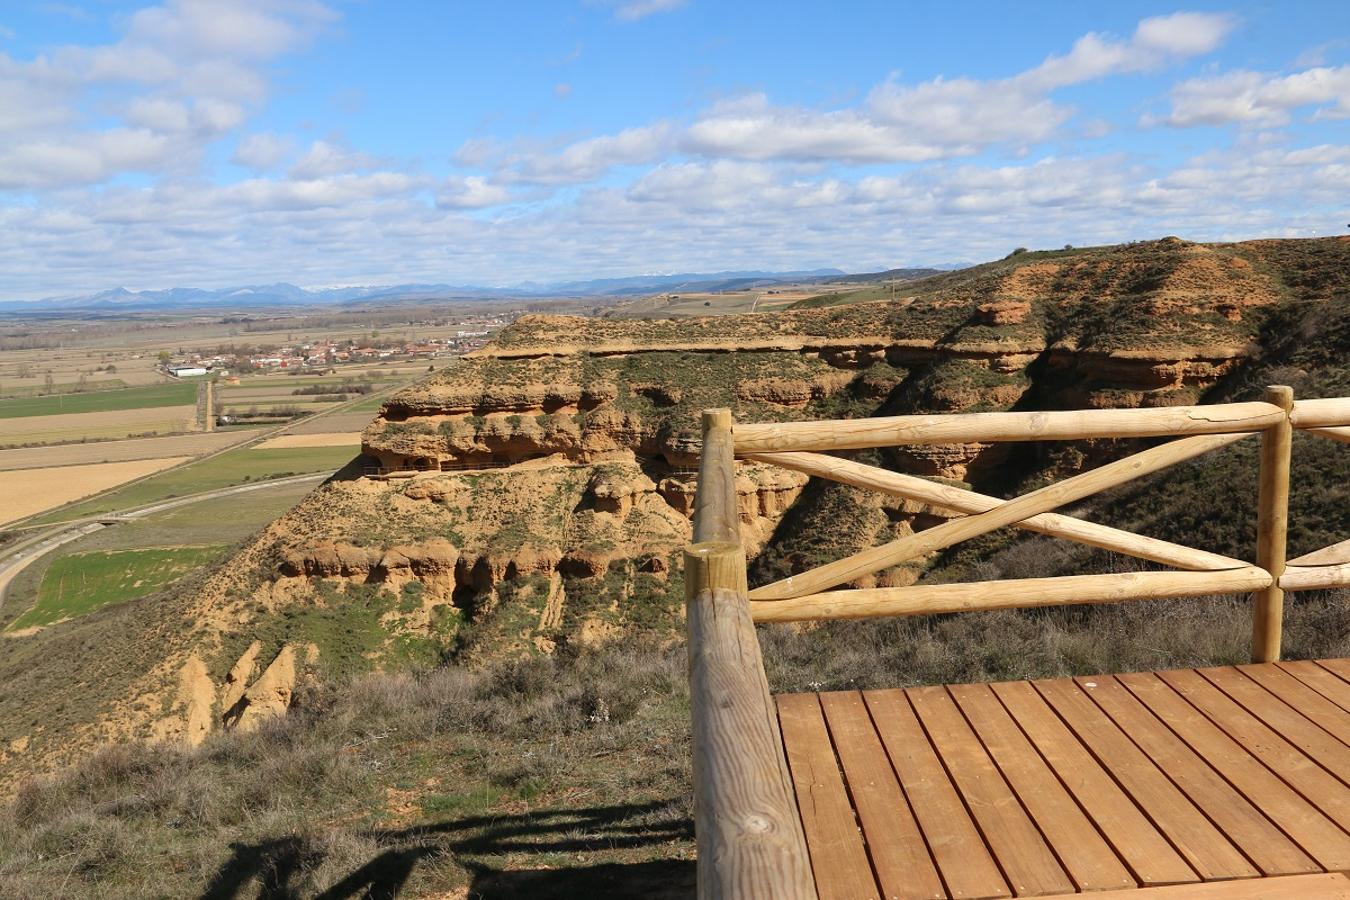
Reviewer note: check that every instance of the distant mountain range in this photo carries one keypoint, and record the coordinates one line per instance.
(283, 294)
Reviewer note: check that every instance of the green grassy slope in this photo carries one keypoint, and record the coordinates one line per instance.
(81, 582)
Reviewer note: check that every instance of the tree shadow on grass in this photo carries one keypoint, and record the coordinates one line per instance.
(277, 869)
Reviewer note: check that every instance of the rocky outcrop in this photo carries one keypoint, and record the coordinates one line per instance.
(268, 697)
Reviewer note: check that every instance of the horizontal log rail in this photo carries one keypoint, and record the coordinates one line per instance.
(1309, 578)
(932, 599)
(1329, 412)
(965, 428)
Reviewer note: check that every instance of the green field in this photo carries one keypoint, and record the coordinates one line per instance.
(81, 582)
(156, 395)
(235, 467)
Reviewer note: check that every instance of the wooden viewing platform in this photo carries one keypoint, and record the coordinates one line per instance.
(1229, 782)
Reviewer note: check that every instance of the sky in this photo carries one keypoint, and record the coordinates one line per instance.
(214, 143)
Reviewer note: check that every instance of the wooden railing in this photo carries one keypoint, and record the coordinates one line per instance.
(749, 834)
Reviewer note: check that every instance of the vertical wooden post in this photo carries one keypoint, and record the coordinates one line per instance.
(716, 516)
(749, 832)
(1272, 527)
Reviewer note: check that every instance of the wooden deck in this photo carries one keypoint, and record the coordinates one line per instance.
(1107, 783)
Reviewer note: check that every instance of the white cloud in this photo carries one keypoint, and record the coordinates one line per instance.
(580, 161)
(180, 76)
(633, 10)
(473, 192)
(324, 158)
(262, 151)
(1260, 99)
(946, 117)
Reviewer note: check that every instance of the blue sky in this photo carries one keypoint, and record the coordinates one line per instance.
(223, 142)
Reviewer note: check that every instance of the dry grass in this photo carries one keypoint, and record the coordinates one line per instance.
(544, 777)
(31, 491)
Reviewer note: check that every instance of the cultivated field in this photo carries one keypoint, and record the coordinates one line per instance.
(112, 425)
(151, 397)
(120, 451)
(218, 521)
(350, 439)
(356, 420)
(30, 491)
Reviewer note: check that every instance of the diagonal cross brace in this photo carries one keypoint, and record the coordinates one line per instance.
(1039, 501)
(856, 474)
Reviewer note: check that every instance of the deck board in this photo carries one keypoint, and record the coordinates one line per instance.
(1018, 845)
(899, 853)
(1223, 782)
(838, 857)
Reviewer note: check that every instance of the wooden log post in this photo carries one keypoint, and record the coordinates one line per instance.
(716, 515)
(750, 839)
(1272, 527)
(749, 832)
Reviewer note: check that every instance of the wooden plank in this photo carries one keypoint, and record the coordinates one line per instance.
(838, 857)
(1150, 857)
(1328, 716)
(911, 487)
(1084, 853)
(1077, 424)
(962, 856)
(1033, 503)
(1016, 593)
(1018, 845)
(1318, 835)
(1328, 886)
(895, 843)
(746, 821)
(1339, 667)
(1284, 722)
(1242, 821)
(1321, 680)
(1207, 849)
